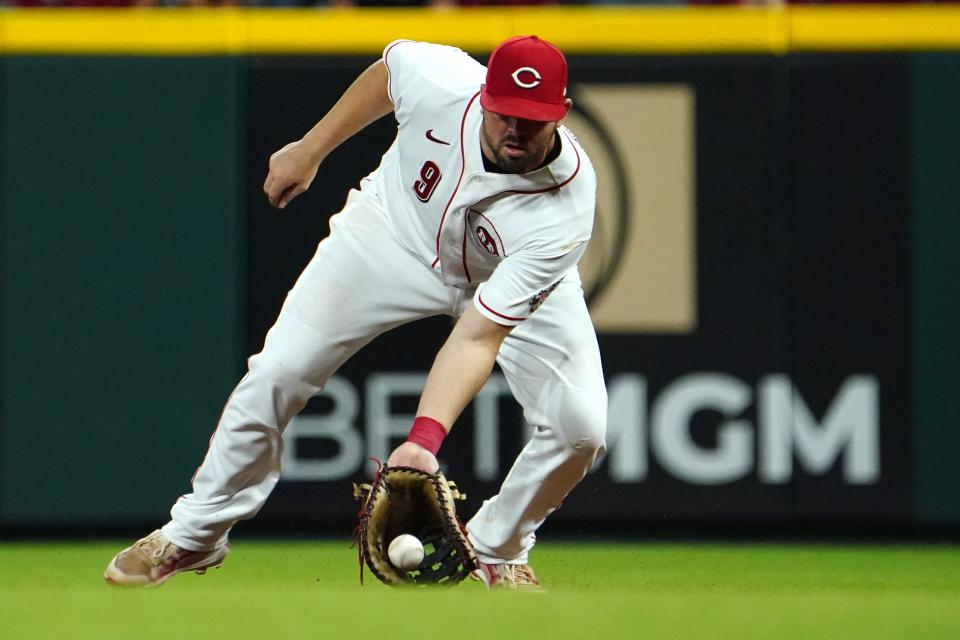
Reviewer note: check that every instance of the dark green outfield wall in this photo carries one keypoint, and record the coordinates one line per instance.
(135, 250)
(935, 175)
(122, 285)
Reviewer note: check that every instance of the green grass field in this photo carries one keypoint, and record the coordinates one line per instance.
(269, 590)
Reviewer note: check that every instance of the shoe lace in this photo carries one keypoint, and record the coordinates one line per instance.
(155, 547)
(523, 575)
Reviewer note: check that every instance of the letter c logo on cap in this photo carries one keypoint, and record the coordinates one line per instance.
(528, 70)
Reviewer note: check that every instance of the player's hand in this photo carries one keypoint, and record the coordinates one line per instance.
(292, 170)
(410, 454)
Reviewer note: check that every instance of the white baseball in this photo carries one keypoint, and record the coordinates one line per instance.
(405, 552)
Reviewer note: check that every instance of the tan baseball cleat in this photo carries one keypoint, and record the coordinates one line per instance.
(153, 560)
(508, 576)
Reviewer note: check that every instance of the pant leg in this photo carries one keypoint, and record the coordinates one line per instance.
(359, 284)
(552, 364)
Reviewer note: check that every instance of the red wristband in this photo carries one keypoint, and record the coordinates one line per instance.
(428, 433)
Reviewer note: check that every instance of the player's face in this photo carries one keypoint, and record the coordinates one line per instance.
(514, 144)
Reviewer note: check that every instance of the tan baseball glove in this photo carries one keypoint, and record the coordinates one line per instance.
(406, 500)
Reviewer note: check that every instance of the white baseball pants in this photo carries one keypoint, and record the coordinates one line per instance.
(359, 284)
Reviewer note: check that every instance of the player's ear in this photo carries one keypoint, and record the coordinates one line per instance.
(568, 103)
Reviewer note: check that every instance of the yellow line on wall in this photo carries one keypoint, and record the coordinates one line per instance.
(612, 29)
(906, 27)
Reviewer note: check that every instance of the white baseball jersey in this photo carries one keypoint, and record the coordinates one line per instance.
(513, 236)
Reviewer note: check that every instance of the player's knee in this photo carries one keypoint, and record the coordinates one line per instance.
(288, 381)
(278, 371)
(296, 357)
(590, 439)
(586, 426)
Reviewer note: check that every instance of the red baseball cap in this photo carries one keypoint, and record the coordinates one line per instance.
(526, 78)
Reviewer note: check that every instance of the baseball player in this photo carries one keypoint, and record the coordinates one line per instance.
(480, 210)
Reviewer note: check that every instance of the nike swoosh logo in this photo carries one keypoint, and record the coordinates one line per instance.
(432, 139)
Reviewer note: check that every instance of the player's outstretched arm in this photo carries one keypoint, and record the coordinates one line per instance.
(460, 369)
(293, 168)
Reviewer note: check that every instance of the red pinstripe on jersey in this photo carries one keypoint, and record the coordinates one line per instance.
(463, 166)
(463, 251)
(387, 65)
(565, 182)
(497, 313)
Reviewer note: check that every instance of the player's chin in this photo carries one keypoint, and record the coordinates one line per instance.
(513, 162)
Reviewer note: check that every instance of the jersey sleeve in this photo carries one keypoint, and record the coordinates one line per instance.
(408, 60)
(522, 282)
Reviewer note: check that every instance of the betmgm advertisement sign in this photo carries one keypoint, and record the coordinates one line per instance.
(739, 327)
